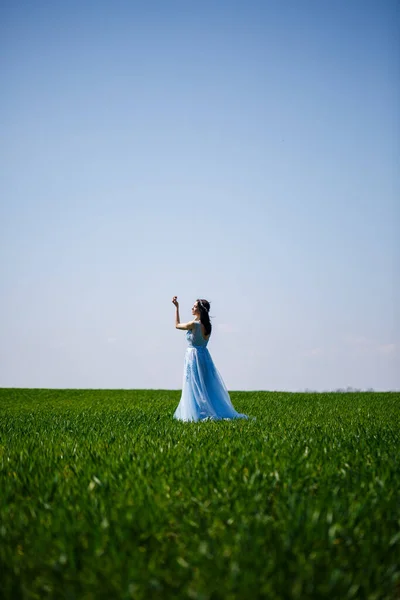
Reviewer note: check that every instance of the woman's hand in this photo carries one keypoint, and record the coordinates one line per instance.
(175, 301)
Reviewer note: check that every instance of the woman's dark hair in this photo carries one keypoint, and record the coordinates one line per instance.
(204, 308)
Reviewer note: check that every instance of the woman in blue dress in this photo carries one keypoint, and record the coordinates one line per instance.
(204, 394)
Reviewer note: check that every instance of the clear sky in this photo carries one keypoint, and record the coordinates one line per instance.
(243, 152)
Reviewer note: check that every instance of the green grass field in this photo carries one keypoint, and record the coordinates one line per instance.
(104, 495)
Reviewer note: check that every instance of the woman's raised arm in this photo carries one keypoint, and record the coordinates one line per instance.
(178, 324)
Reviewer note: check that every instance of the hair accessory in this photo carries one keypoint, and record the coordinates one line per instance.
(202, 306)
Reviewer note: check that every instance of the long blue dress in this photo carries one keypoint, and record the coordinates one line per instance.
(204, 395)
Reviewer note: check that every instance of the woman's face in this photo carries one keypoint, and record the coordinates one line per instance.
(195, 310)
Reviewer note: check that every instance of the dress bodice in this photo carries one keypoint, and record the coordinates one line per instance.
(195, 336)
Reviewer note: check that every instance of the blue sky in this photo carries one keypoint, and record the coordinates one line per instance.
(243, 152)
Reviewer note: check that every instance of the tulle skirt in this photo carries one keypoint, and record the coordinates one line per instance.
(204, 394)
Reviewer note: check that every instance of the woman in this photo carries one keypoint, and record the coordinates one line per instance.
(204, 395)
